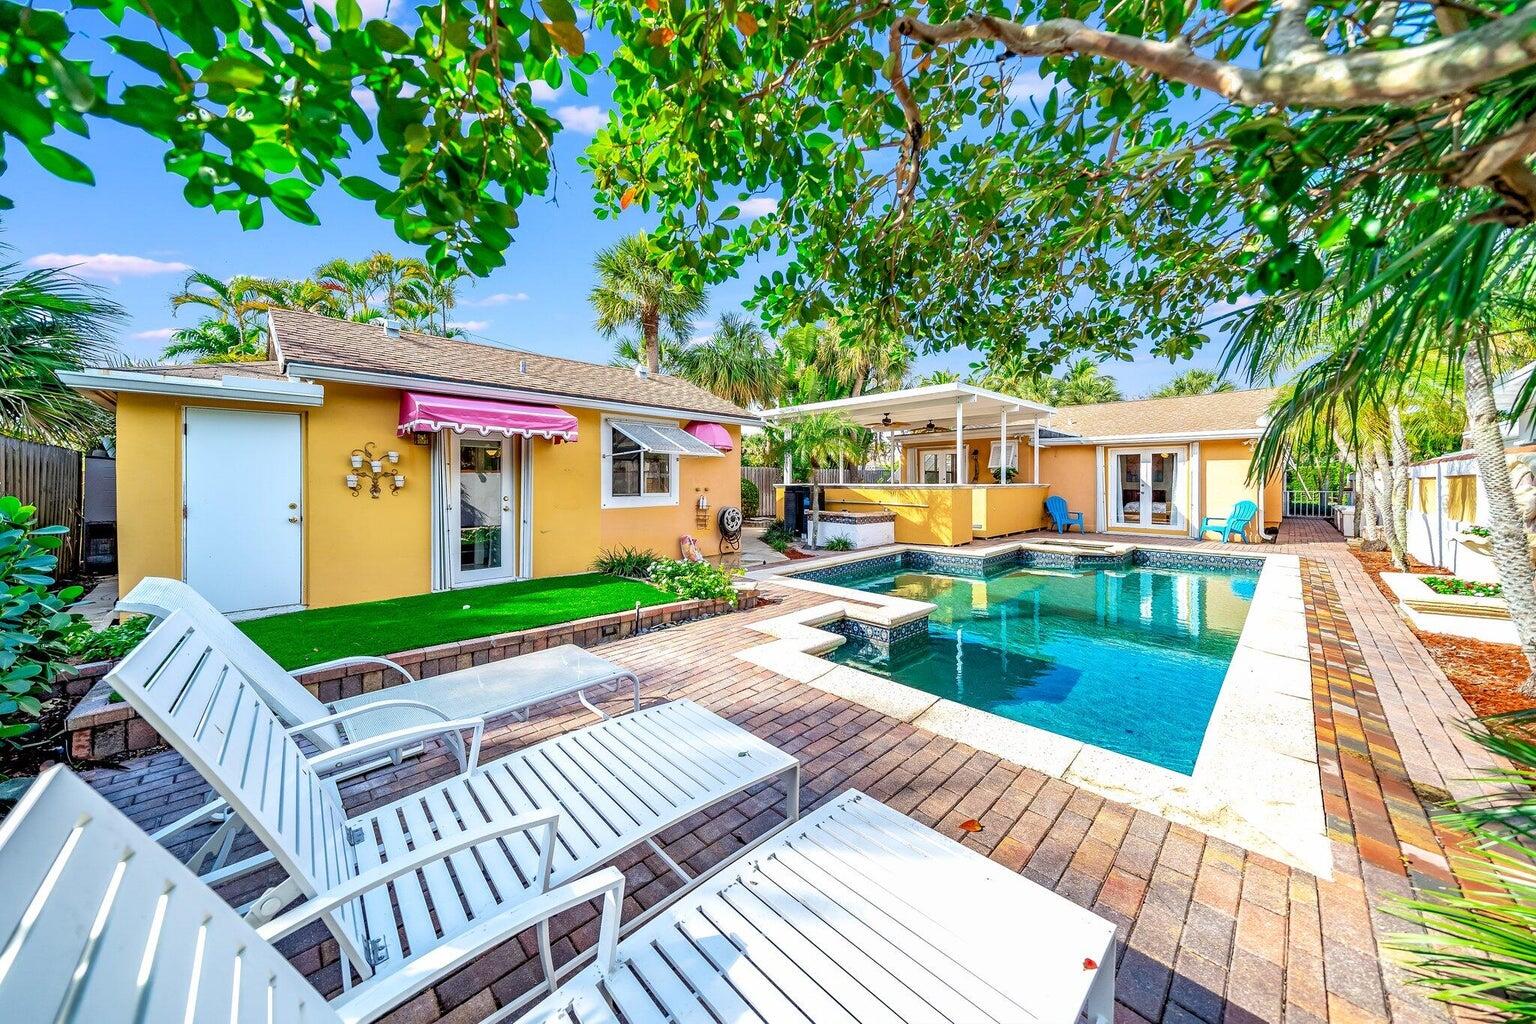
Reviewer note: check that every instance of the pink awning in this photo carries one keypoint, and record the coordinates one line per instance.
(420, 411)
(712, 434)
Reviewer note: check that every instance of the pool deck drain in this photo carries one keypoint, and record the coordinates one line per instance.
(1255, 781)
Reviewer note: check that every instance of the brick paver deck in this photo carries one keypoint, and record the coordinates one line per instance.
(1209, 932)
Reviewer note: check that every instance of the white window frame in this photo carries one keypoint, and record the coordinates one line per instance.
(1013, 456)
(944, 465)
(611, 500)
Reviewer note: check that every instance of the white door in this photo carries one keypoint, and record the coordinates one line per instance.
(1148, 489)
(482, 518)
(242, 492)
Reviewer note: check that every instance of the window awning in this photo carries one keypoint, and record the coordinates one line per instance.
(662, 438)
(421, 411)
(712, 434)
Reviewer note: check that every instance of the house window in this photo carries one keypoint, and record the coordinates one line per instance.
(938, 467)
(641, 457)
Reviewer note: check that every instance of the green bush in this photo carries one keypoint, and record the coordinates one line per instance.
(634, 563)
(1461, 588)
(751, 500)
(692, 580)
(111, 643)
(838, 544)
(36, 627)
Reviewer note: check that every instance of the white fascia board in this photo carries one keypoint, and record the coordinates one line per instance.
(1136, 439)
(880, 399)
(227, 388)
(400, 381)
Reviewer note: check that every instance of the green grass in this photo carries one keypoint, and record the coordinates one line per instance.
(388, 627)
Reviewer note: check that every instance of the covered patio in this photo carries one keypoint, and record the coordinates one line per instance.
(967, 463)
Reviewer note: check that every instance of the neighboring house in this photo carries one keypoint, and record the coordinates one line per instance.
(1152, 466)
(254, 482)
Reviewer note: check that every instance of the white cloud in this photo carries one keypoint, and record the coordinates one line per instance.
(108, 266)
(499, 299)
(472, 326)
(542, 90)
(1028, 85)
(158, 334)
(757, 206)
(586, 120)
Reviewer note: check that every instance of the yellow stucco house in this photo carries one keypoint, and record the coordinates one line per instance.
(976, 464)
(362, 462)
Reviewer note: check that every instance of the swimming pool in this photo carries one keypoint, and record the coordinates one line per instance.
(1131, 660)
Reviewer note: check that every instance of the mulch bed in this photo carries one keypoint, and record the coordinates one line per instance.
(1488, 676)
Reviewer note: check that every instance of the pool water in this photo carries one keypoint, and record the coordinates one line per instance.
(1129, 660)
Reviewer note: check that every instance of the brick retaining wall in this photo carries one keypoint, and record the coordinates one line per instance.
(100, 729)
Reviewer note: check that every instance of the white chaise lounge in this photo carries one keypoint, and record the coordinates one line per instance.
(854, 913)
(510, 686)
(583, 797)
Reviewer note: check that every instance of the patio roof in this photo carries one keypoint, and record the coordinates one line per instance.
(916, 406)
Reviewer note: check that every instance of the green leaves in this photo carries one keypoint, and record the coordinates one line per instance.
(61, 164)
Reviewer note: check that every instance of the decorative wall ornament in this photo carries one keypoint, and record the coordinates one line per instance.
(377, 469)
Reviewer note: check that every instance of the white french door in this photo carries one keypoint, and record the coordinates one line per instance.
(482, 509)
(1147, 488)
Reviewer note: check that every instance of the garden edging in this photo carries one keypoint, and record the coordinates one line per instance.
(100, 729)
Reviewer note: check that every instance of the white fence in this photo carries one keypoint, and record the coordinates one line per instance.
(766, 478)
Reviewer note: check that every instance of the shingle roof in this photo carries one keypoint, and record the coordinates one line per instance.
(263, 369)
(1196, 414)
(342, 344)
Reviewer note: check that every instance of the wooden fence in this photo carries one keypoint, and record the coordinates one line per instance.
(48, 477)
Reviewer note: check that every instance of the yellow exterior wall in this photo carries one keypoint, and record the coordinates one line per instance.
(355, 548)
(999, 511)
(365, 549)
(1224, 483)
(1068, 472)
(570, 527)
(924, 515)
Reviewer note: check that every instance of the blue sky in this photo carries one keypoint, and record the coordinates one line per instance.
(134, 235)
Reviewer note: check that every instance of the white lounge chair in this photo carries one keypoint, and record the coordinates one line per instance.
(100, 925)
(614, 784)
(857, 913)
(510, 686)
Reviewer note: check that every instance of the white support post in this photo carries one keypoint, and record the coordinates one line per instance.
(960, 442)
(1002, 449)
(789, 474)
(1036, 475)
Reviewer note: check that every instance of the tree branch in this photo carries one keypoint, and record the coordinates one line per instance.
(1413, 74)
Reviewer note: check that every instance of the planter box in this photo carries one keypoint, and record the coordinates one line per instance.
(99, 728)
(1476, 618)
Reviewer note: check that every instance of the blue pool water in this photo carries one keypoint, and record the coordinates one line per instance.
(1129, 660)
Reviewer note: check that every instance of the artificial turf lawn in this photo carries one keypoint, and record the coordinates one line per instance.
(296, 639)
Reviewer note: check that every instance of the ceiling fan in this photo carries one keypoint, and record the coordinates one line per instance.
(927, 428)
(890, 424)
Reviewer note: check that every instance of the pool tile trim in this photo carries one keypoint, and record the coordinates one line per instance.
(1256, 780)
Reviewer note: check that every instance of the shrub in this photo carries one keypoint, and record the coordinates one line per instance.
(1461, 588)
(625, 561)
(750, 498)
(692, 580)
(36, 627)
(778, 532)
(110, 643)
(839, 544)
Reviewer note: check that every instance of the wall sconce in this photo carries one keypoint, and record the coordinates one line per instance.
(375, 473)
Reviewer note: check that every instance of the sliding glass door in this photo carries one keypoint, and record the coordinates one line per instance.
(1148, 488)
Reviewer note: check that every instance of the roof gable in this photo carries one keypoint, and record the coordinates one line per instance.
(320, 341)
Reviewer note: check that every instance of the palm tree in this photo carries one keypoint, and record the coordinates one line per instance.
(629, 352)
(427, 300)
(819, 441)
(1085, 384)
(737, 363)
(1192, 382)
(215, 341)
(51, 321)
(241, 302)
(936, 377)
(634, 291)
(350, 286)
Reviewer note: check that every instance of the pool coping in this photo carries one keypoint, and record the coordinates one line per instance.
(1256, 781)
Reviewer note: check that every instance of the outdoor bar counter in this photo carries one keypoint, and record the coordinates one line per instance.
(943, 514)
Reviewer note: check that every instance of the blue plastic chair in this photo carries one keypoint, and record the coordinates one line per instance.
(1056, 505)
(1234, 525)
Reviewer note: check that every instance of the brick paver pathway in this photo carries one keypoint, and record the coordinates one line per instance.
(1209, 932)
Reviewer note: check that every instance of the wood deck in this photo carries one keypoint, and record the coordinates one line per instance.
(1208, 932)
